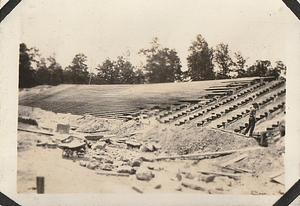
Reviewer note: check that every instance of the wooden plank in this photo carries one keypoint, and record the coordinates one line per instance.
(278, 179)
(37, 132)
(234, 176)
(229, 132)
(137, 189)
(236, 159)
(113, 174)
(238, 169)
(201, 155)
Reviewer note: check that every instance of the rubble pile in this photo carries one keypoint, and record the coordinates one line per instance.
(132, 149)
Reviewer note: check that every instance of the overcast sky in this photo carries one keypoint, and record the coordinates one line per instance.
(109, 28)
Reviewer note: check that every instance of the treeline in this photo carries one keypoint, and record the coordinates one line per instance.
(161, 65)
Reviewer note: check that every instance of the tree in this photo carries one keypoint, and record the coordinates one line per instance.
(162, 64)
(119, 71)
(223, 60)
(200, 65)
(77, 72)
(26, 73)
(139, 77)
(125, 71)
(259, 69)
(239, 64)
(56, 71)
(43, 75)
(280, 67)
(105, 73)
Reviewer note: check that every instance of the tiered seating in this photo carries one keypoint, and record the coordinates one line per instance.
(210, 99)
(262, 116)
(221, 103)
(187, 113)
(243, 102)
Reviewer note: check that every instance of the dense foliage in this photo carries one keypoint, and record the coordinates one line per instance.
(162, 64)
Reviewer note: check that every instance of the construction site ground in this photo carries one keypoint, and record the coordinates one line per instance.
(67, 176)
(146, 154)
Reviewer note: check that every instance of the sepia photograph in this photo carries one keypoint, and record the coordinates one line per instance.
(137, 96)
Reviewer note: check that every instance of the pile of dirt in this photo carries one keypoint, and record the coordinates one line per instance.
(204, 140)
(90, 124)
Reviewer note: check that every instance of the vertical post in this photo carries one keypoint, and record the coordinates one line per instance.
(40, 185)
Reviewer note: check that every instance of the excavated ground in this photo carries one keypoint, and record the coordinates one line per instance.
(129, 148)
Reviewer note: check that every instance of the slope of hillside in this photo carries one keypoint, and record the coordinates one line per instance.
(113, 99)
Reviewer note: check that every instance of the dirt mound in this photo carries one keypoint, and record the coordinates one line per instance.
(90, 124)
(204, 140)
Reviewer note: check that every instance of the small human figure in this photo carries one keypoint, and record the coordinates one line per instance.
(252, 120)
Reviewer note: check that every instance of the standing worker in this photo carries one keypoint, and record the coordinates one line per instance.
(252, 120)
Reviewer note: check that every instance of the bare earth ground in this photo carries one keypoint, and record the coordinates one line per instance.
(67, 176)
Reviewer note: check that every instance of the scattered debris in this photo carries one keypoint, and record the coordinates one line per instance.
(126, 169)
(27, 120)
(231, 161)
(133, 144)
(136, 163)
(99, 145)
(93, 137)
(178, 188)
(36, 131)
(148, 148)
(208, 154)
(83, 163)
(237, 169)
(192, 185)
(207, 179)
(144, 174)
(92, 165)
(137, 189)
(179, 176)
(157, 186)
(113, 174)
(279, 178)
(63, 128)
(189, 175)
(106, 167)
(234, 176)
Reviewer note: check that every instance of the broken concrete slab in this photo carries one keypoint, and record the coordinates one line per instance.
(133, 144)
(126, 169)
(136, 162)
(92, 165)
(144, 174)
(106, 167)
(207, 178)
